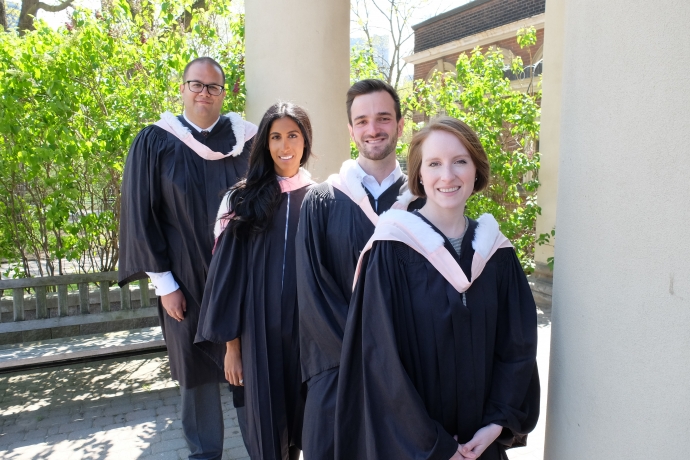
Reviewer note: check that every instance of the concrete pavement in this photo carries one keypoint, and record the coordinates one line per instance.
(126, 408)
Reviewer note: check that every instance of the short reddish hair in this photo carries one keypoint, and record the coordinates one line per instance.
(465, 135)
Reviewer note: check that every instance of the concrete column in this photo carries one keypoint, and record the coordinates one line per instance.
(549, 135)
(299, 51)
(620, 355)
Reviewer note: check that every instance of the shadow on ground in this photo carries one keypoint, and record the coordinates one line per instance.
(94, 409)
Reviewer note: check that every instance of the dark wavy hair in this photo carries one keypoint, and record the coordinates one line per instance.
(255, 199)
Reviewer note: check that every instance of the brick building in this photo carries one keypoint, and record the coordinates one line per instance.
(441, 39)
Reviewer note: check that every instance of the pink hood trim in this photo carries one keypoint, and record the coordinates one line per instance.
(171, 124)
(406, 227)
(349, 181)
(299, 180)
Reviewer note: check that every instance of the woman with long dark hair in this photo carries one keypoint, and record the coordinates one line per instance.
(439, 351)
(250, 299)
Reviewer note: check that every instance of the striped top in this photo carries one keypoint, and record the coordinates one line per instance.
(457, 242)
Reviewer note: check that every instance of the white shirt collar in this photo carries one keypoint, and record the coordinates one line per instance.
(209, 129)
(371, 184)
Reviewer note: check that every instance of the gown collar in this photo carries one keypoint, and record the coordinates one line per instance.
(287, 184)
(299, 180)
(349, 181)
(466, 244)
(243, 131)
(198, 128)
(412, 230)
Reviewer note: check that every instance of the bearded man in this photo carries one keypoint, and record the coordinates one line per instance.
(336, 221)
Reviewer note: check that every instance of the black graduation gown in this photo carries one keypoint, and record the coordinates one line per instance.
(170, 197)
(251, 293)
(332, 232)
(419, 367)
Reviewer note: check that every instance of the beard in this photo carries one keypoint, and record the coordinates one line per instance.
(379, 152)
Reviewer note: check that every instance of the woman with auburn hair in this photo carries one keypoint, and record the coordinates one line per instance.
(250, 299)
(439, 353)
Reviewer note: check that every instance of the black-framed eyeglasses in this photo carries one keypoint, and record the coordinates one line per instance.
(198, 87)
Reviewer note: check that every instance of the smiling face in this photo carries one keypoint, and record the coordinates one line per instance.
(286, 144)
(202, 109)
(374, 127)
(447, 171)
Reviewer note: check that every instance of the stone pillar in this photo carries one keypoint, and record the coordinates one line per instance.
(549, 139)
(549, 135)
(300, 52)
(620, 354)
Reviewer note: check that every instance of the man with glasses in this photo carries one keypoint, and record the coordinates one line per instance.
(175, 175)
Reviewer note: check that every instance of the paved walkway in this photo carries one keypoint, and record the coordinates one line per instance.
(128, 408)
(114, 409)
(45, 351)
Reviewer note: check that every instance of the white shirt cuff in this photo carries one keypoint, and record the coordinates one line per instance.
(163, 282)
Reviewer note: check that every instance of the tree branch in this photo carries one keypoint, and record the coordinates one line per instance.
(54, 8)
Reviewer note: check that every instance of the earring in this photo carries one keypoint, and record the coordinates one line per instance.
(420, 181)
(475, 179)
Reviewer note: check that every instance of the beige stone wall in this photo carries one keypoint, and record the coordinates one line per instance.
(620, 355)
(300, 52)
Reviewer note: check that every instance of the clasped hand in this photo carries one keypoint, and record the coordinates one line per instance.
(478, 444)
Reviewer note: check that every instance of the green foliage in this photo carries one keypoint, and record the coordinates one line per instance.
(527, 36)
(72, 101)
(546, 238)
(363, 65)
(354, 153)
(507, 122)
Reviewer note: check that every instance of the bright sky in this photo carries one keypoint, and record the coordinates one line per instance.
(61, 17)
(425, 9)
(379, 25)
(429, 9)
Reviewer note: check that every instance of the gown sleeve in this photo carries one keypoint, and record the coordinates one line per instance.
(220, 318)
(513, 399)
(322, 306)
(379, 413)
(143, 246)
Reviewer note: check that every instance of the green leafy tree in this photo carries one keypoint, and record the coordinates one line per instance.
(507, 122)
(71, 103)
(362, 65)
